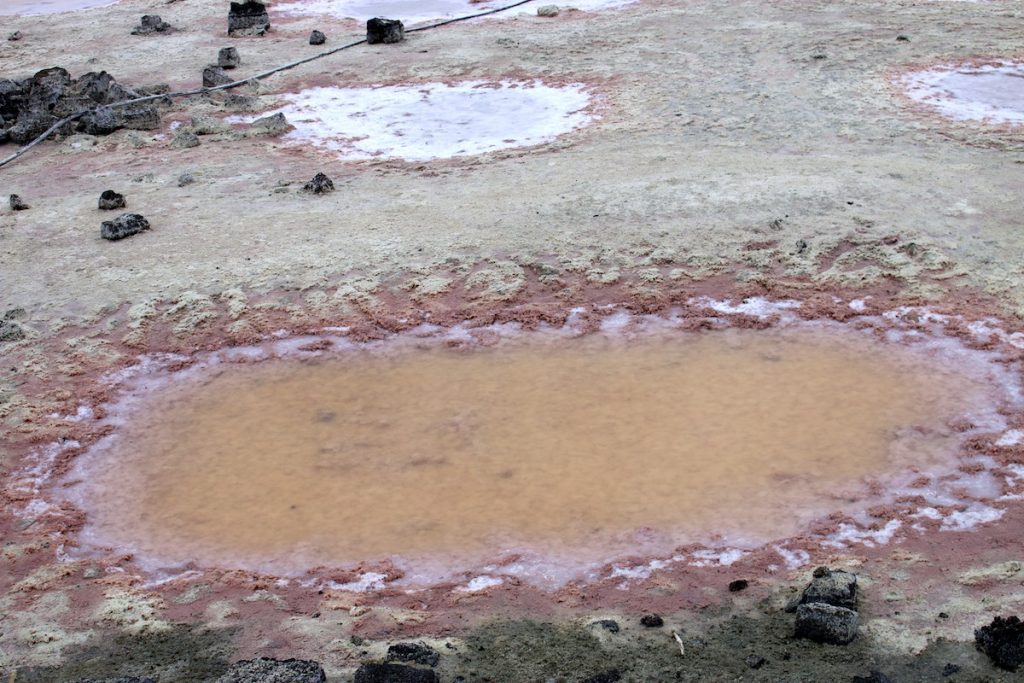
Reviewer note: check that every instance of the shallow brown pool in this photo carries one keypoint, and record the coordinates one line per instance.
(588, 446)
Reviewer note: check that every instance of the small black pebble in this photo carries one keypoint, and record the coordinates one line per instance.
(320, 184)
(738, 585)
(111, 200)
(17, 203)
(950, 669)
(651, 621)
(356, 640)
(903, 39)
(609, 625)
(317, 38)
(755, 661)
(943, 615)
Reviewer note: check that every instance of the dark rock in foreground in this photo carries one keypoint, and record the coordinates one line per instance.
(610, 676)
(267, 670)
(151, 23)
(125, 225)
(248, 19)
(111, 200)
(836, 588)
(227, 58)
(873, 677)
(394, 673)
(418, 653)
(214, 76)
(17, 203)
(381, 30)
(651, 621)
(320, 184)
(826, 623)
(1003, 642)
(317, 38)
(10, 331)
(738, 585)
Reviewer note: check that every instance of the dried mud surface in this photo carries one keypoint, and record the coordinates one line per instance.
(745, 148)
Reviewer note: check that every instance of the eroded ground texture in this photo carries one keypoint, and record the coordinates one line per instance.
(739, 149)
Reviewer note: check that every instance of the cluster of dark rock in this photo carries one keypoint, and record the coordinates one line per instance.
(405, 663)
(29, 107)
(381, 30)
(320, 184)
(248, 19)
(1003, 642)
(826, 610)
(150, 24)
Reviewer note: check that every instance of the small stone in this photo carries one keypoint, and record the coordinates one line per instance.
(11, 331)
(755, 661)
(652, 621)
(151, 23)
(275, 124)
(228, 58)
(824, 623)
(214, 76)
(950, 669)
(381, 30)
(873, 677)
(267, 670)
(111, 200)
(903, 39)
(357, 640)
(738, 585)
(320, 184)
(389, 672)
(1002, 641)
(186, 179)
(317, 38)
(17, 203)
(239, 102)
(609, 625)
(610, 676)
(943, 615)
(548, 11)
(836, 588)
(209, 125)
(418, 653)
(185, 139)
(248, 19)
(17, 313)
(14, 36)
(125, 225)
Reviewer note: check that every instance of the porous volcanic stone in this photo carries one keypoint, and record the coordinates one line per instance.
(320, 184)
(738, 585)
(418, 653)
(1003, 642)
(17, 203)
(389, 672)
(873, 677)
(151, 23)
(317, 38)
(826, 623)
(831, 587)
(248, 19)
(214, 76)
(275, 124)
(267, 670)
(381, 30)
(227, 58)
(185, 139)
(125, 225)
(111, 200)
(652, 621)
(10, 331)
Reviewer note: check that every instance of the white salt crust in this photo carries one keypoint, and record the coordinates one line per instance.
(432, 120)
(412, 12)
(33, 8)
(955, 500)
(991, 93)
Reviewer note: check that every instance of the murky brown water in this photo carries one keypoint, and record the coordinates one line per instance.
(567, 446)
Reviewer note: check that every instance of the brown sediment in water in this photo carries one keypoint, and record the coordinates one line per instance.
(582, 449)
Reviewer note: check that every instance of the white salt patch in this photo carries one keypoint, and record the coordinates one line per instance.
(1011, 437)
(640, 571)
(31, 8)
(756, 306)
(417, 11)
(992, 93)
(370, 581)
(794, 559)
(433, 120)
(928, 513)
(723, 558)
(481, 583)
(848, 534)
(974, 515)
(858, 305)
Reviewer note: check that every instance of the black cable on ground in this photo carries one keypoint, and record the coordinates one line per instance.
(234, 84)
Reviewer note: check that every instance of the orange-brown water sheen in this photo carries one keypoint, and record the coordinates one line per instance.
(552, 447)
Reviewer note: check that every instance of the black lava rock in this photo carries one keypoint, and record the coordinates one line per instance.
(151, 23)
(317, 38)
(214, 76)
(738, 585)
(652, 621)
(389, 672)
(14, 36)
(609, 625)
(824, 623)
(610, 676)
(836, 588)
(17, 203)
(1002, 641)
(381, 30)
(873, 677)
(125, 225)
(320, 184)
(418, 653)
(265, 670)
(111, 200)
(248, 19)
(227, 58)
(10, 331)
(950, 669)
